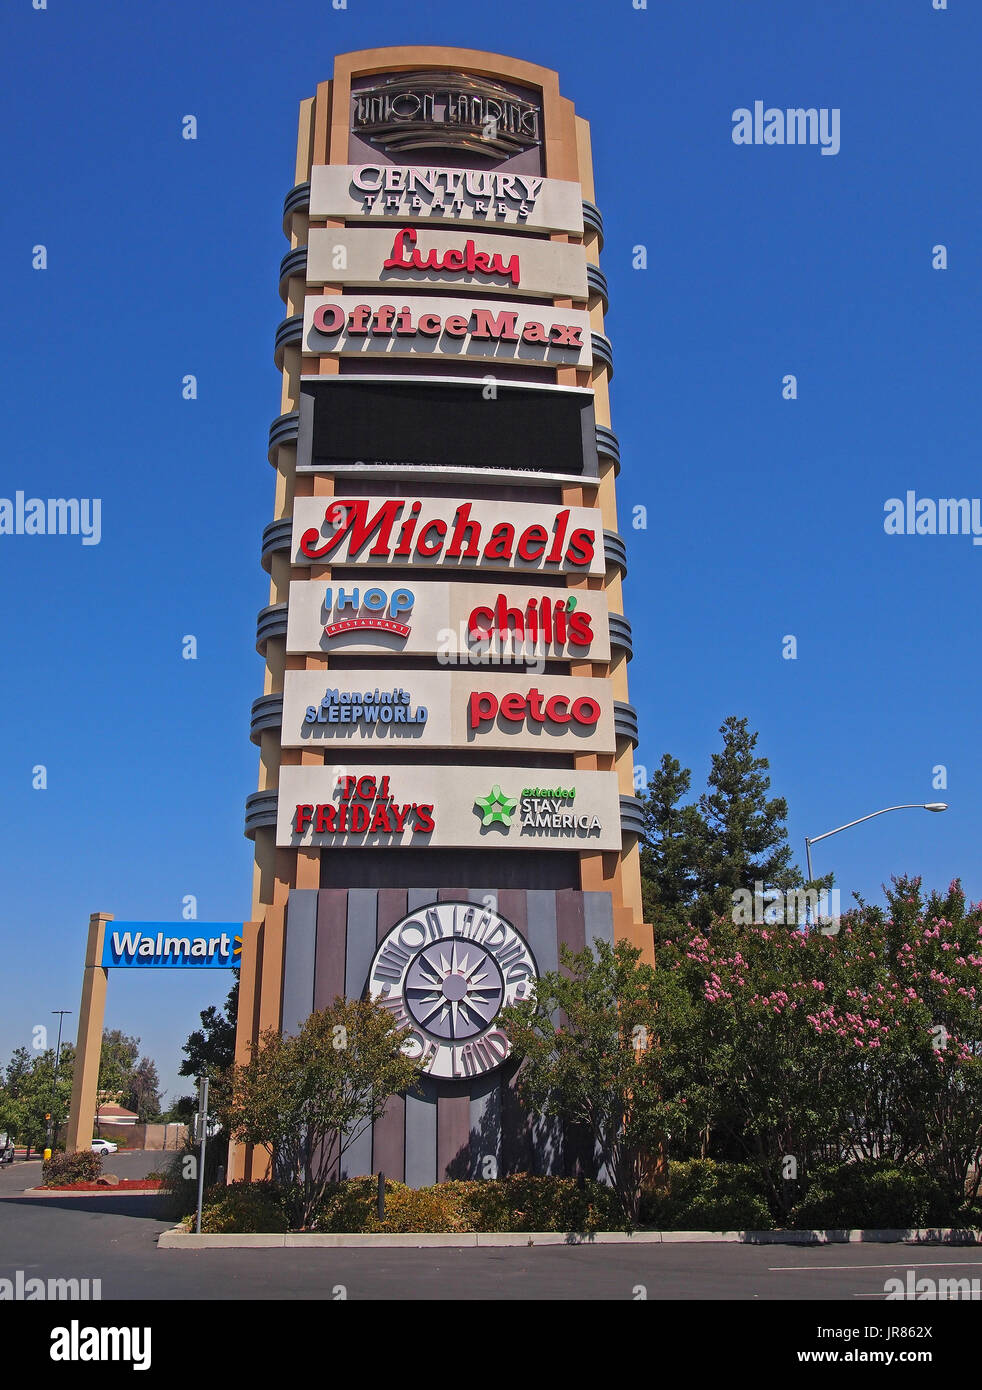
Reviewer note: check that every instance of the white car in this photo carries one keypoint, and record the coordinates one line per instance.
(103, 1146)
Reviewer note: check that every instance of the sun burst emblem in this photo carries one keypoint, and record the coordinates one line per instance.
(454, 989)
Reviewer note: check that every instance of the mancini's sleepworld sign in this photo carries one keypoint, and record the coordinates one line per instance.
(214, 945)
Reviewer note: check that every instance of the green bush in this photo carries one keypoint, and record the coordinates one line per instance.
(242, 1207)
(62, 1168)
(703, 1195)
(876, 1194)
(183, 1190)
(525, 1203)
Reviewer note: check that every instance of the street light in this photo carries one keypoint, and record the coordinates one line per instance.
(908, 806)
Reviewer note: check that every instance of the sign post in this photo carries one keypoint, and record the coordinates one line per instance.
(202, 1120)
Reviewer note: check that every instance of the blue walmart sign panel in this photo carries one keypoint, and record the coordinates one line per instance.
(174, 945)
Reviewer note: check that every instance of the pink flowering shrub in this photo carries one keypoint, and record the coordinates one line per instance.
(791, 1050)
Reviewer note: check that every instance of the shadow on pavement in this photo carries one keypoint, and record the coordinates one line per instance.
(149, 1205)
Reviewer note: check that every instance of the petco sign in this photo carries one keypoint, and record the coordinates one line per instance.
(441, 709)
(462, 328)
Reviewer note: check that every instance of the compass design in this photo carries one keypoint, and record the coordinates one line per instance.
(445, 972)
(454, 989)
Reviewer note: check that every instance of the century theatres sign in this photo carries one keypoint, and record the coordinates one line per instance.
(447, 807)
(463, 623)
(447, 532)
(377, 326)
(444, 257)
(517, 711)
(428, 193)
(445, 972)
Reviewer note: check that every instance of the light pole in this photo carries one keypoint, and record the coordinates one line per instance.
(53, 1139)
(908, 806)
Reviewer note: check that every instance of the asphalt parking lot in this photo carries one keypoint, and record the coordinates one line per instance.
(113, 1238)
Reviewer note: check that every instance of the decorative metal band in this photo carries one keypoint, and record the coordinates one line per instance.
(632, 816)
(277, 536)
(297, 200)
(593, 220)
(293, 263)
(271, 622)
(620, 633)
(267, 713)
(597, 284)
(260, 812)
(626, 721)
(609, 445)
(615, 551)
(289, 331)
(602, 351)
(283, 430)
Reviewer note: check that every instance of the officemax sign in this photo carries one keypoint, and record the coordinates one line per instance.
(380, 327)
(213, 945)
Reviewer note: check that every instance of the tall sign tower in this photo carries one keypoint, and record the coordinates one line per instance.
(446, 790)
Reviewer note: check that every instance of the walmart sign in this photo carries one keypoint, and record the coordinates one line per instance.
(214, 945)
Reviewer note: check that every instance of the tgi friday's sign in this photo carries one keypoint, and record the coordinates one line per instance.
(447, 709)
(460, 622)
(446, 971)
(408, 257)
(466, 329)
(448, 533)
(447, 807)
(445, 195)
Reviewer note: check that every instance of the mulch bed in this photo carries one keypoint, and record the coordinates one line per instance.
(124, 1185)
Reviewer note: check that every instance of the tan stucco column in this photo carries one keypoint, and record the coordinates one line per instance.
(88, 1045)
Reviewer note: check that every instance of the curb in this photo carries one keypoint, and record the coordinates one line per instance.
(180, 1239)
(67, 1192)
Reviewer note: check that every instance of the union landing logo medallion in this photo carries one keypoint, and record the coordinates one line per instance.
(446, 971)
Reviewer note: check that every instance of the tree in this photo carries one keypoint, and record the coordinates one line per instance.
(695, 856)
(116, 1063)
(144, 1091)
(211, 1049)
(584, 1041)
(746, 839)
(776, 1044)
(673, 845)
(307, 1097)
(29, 1094)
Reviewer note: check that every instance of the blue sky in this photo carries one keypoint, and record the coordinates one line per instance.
(765, 516)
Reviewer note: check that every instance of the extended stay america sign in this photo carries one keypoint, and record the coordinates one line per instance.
(446, 195)
(445, 531)
(381, 326)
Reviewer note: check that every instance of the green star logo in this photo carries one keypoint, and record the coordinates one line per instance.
(496, 807)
